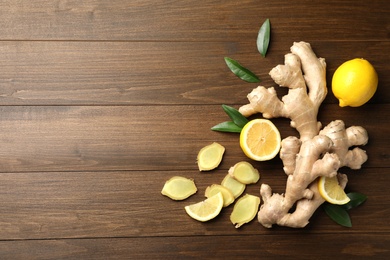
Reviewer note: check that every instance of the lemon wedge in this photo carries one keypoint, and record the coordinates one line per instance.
(206, 209)
(331, 191)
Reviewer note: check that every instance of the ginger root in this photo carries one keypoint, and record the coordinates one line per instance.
(315, 153)
(300, 104)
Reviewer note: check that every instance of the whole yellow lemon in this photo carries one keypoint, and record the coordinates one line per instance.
(354, 82)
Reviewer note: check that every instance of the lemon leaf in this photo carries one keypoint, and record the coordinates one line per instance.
(338, 214)
(240, 71)
(263, 38)
(235, 116)
(356, 200)
(228, 126)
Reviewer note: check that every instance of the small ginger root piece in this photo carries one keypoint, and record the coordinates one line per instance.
(210, 156)
(345, 138)
(288, 153)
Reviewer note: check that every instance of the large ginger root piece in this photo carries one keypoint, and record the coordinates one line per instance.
(302, 188)
(315, 153)
(302, 69)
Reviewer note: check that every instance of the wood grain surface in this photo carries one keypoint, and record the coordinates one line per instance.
(102, 101)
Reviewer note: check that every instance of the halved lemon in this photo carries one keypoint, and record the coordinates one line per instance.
(331, 191)
(206, 209)
(260, 140)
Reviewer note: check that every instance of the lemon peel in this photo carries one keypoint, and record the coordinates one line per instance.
(354, 82)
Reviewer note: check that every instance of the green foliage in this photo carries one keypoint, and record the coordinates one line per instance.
(263, 38)
(234, 126)
(339, 213)
(240, 71)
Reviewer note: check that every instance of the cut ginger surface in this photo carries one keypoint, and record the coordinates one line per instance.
(210, 156)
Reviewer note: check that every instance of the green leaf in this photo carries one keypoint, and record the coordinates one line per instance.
(356, 200)
(240, 71)
(263, 37)
(235, 116)
(338, 214)
(228, 126)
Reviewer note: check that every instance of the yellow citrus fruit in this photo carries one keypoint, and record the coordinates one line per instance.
(260, 140)
(206, 209)
(331, 191)
(354, 82)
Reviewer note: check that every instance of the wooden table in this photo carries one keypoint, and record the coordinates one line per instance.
(102, 101)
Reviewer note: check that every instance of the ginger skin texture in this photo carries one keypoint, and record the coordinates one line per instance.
(304, 74)
(315, 153)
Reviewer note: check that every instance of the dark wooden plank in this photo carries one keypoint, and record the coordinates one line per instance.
(90, 138)
(360, 246)
(102, 101)
(191, 20)
(129, 204)
(139, 73)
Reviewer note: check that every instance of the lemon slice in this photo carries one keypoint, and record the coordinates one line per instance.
(260, 140)
(207, 209)
(331, 191)
(210, 156)
(179, 188)
(228, 197)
